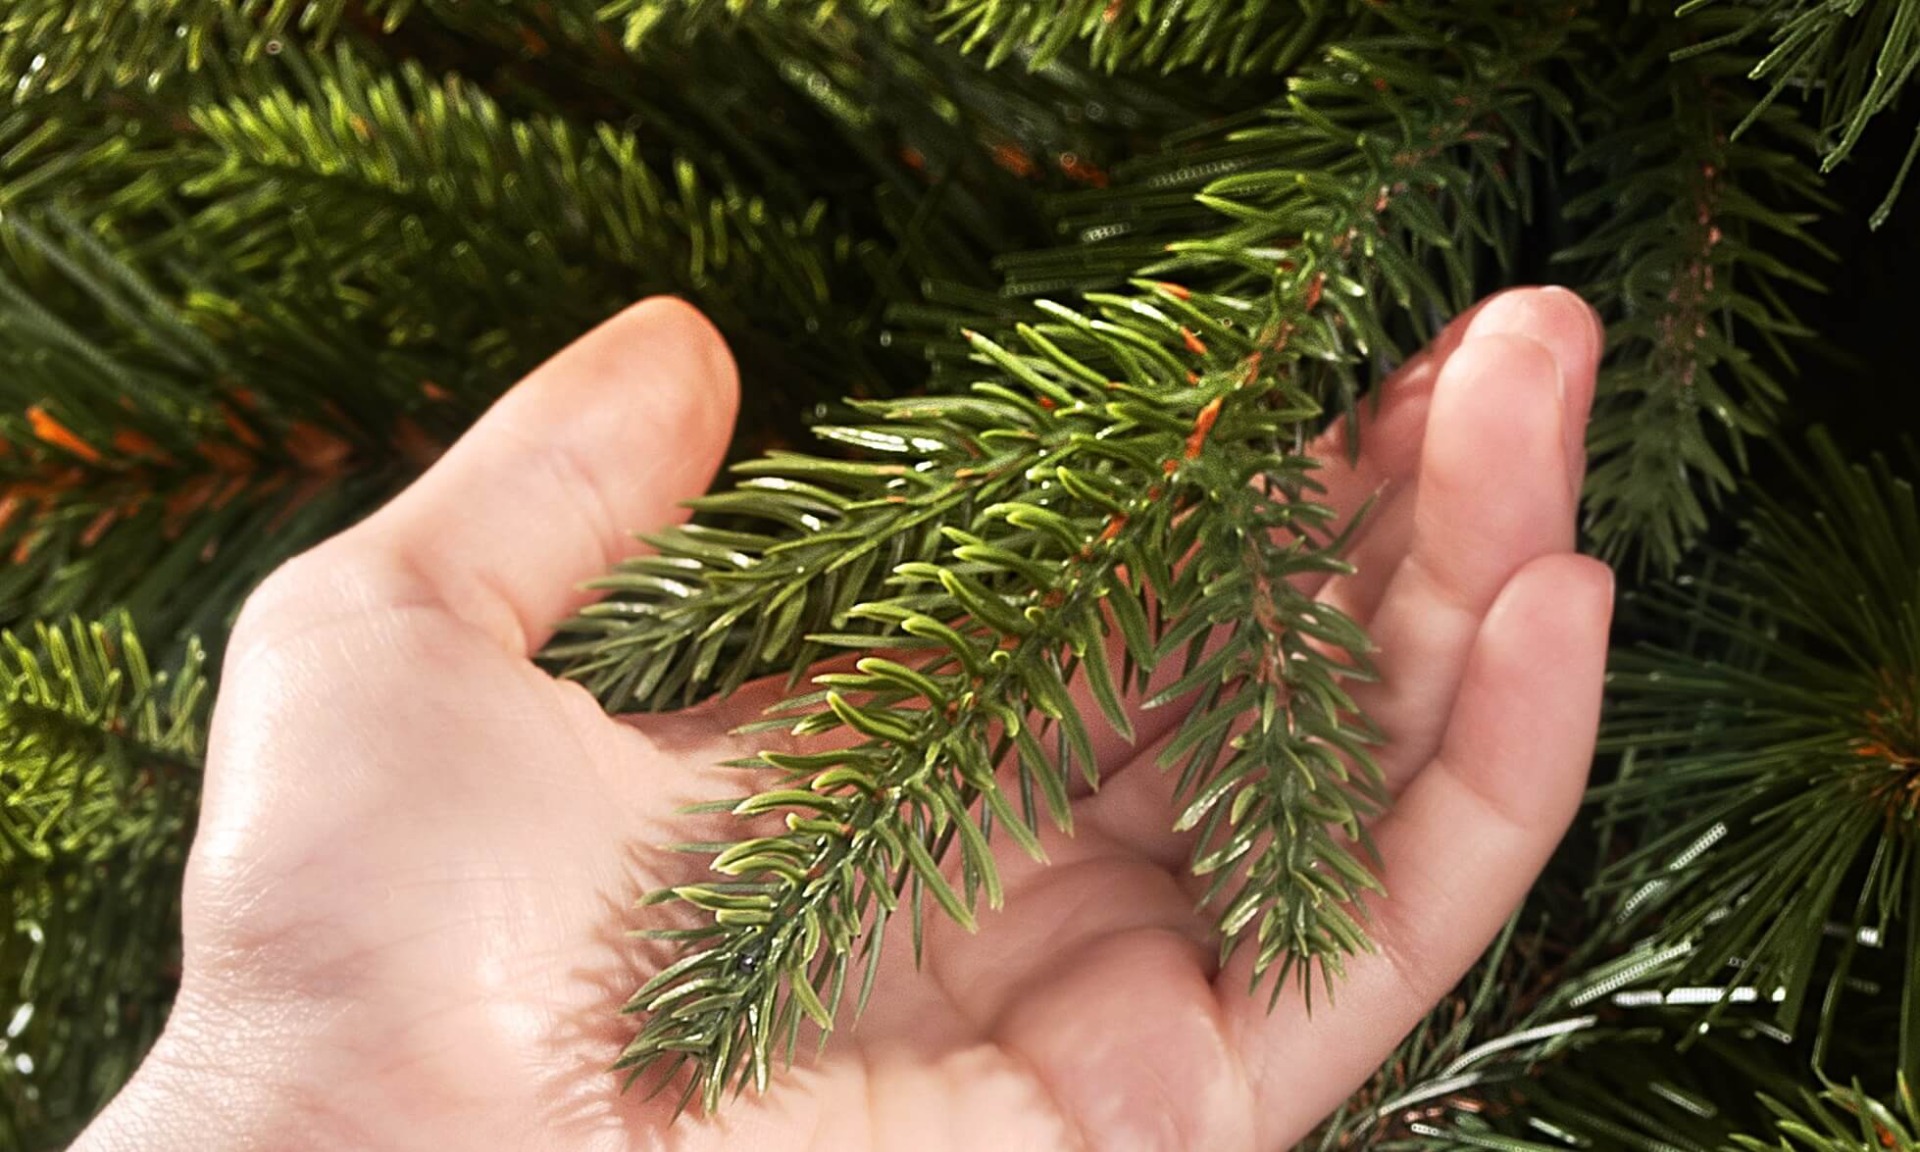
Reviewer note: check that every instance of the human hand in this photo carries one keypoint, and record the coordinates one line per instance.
(407, 900)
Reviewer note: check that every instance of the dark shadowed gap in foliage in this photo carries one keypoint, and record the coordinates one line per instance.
(1861, 377)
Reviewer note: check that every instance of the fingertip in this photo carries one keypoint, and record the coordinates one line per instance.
(1600, 582)
(1497, 425)
(1555, 316)
(677, 319)
(1559, 605)
(678, 362)
(1570, 328)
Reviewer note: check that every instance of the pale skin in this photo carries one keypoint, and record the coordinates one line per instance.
(409, 896)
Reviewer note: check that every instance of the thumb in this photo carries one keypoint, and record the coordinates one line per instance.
(547, 489)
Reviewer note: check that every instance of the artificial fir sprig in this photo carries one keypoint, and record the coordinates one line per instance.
(456, 175)
(47, 45)
(1696, 231)
(99, 762)
(98, 45)
(1329, 168)
(1166, 423)
(1229, 36)
(1775, 755)
(980, 646)
(132, 459)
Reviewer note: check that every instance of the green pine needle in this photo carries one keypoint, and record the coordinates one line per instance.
(1855, 57)
(1775, 759)
(1841, 1119)
(1692, 233)
(1234, 37)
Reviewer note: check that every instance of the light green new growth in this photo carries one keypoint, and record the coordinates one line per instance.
(98, 759)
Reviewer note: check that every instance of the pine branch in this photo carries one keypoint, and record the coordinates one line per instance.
(1840, 1119)
(645, 21)
(1303, 750)
(579, 212)
(1234, 37)
(1292, 158)
(283, 407)
(990, 635)
(882, 162)
(1694, 235)
(96, 45)
(99, 771)
(1157, 424)
(1231, 37)
(1858, 56)
(1507, 1021)
(1526, 1057)
(1776, 759)
(136, 471)
(1634, 1091)
(1630, 1093)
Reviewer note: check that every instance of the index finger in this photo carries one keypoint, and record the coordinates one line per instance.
(1391, 425)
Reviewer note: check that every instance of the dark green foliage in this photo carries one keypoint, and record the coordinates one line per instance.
(1857, 56)
(99, 756)
(1692, 231)
(1532, 1056)
(1494, 1030)
(1774, 756)
(1328, 169)
(139, 471)
(47, 45)
(1232, 36)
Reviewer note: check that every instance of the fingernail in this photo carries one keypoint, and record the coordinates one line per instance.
(1553, 316)
(1561, 321)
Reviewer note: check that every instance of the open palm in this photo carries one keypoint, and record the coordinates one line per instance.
(409, 900)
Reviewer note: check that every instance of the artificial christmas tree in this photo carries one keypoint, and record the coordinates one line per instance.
(1038, 307)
